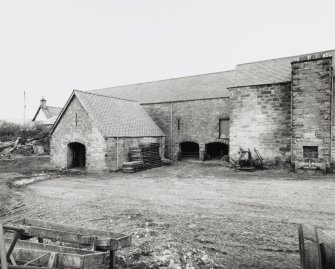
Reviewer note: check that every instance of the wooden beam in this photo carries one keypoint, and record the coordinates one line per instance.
(17, 235)
(52, 263)
(102, 240)
(23, 267)
(36, 259)
(3, 257)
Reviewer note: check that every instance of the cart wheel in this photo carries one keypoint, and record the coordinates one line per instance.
(310, 257)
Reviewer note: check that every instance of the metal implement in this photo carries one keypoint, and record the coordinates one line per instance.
(317, 247)
(99, 242)
(246, 161)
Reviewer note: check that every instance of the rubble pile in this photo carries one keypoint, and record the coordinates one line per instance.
(20, 146)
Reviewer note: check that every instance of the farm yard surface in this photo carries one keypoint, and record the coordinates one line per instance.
(188, 215)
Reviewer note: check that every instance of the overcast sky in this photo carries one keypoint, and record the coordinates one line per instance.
(48, 48)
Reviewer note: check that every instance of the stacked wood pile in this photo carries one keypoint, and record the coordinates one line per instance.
(150, 155)
(145, 157)
(131, 167)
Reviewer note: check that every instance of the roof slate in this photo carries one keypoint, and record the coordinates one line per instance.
(268, 72)
(213, 85)
(51, 111)
(117, 117)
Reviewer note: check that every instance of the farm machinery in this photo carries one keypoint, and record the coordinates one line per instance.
(247, 160)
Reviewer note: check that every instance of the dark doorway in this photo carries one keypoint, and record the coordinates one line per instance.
(216, 150)
(76, 155)
(189, 150)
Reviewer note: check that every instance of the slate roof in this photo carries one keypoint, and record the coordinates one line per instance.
(115, 117)
(213, 85)
(50, 112)
(269, 71)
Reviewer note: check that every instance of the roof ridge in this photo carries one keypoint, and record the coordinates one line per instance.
(153, 81)
(286, 57)
(55, 107)
(118, 98)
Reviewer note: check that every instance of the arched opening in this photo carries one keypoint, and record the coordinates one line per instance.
(189, 150)
(76, 155)
(216, 150)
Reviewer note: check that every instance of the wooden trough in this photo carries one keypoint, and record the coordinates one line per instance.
(37, 254)
(102, 244)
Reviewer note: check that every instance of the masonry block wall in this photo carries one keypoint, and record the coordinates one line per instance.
(82, 131)
(120, 147)
(198, 120)
(161, 115)
(261, 118)
(311, 113)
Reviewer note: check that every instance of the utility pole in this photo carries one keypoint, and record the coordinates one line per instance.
(24, 108)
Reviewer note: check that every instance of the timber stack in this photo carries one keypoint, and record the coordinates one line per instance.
(150, 155)
(145, 157)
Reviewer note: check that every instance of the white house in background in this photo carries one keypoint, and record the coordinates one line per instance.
(46, 115)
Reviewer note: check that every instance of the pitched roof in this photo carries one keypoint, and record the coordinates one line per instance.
(206, 86)
(212, 85)
(49, 112)
(269, 71)
(115, 117)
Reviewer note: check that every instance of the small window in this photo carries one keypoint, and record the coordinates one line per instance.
(76, 119)
(224, 128)
(310, 152)
(178, 124)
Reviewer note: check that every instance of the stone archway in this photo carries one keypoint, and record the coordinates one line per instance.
(76, 156)
(189, 150)
(216, 150)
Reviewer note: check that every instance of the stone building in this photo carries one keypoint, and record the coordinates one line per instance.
(96, 132)
(46, 115)
(283, 107)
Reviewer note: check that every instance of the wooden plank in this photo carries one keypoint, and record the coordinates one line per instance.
(12, 260)
(37, 228)
(110, 244)
(3, 257)
(67, 257)
(17, 235)
(50, 248)
(36, 259)
(52, 263)
(57, 235)
(69, 228)
(23, 267)
(112, 259)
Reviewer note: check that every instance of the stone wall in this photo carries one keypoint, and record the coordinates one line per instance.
(120, 146)
(82, 131)
(261, 118)
(311, 113)
(198, 119)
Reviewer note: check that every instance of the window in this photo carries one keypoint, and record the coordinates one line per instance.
(178, 124)
(310, 152)
(224, 128)
(76, 119)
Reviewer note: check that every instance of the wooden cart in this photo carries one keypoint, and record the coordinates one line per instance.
(102, 245)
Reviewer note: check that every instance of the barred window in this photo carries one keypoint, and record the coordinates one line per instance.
(310, 152)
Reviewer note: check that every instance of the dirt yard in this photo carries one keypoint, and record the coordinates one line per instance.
(183, 216)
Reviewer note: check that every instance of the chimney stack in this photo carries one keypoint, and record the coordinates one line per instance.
(43, 103)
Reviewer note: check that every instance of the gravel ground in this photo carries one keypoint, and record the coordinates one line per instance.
(187, 215)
